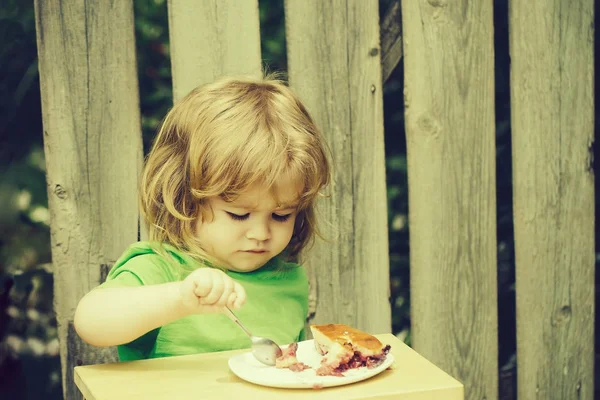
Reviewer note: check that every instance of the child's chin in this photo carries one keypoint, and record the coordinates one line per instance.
(245, 267)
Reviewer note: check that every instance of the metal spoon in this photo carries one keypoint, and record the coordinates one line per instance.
(264, 350)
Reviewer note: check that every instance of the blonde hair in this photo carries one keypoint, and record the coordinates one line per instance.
(219, 140)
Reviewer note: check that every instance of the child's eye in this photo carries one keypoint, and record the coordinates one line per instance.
(238, 217)
(281, 218)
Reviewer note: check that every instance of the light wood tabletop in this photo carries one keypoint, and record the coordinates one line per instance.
(207, 376)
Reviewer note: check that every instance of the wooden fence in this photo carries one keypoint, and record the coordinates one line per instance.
(338, 64)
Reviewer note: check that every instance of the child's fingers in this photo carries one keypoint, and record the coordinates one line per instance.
(202, 287)
(212, 290)
(240, 297)
(187, 292)
(227, 290)
(214, 295)
(231, 300)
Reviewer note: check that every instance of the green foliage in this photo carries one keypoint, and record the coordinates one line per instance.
(272, 35)
(154, 65)
(29, 363)
(24, 217)
(397, 203)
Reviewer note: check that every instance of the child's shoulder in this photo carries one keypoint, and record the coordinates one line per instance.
(154, 250)
(149, 262)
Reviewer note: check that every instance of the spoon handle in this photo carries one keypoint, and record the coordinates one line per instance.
(235, 319)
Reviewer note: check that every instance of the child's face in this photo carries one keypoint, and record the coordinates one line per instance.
(246, 233)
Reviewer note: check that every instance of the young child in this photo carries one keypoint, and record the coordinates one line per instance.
(228, 192)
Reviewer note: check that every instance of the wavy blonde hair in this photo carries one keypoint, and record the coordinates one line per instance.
(219, 140)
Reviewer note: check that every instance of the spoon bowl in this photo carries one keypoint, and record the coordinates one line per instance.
(264, 350)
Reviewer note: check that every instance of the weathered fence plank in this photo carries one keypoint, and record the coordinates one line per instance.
(449, 99)
(210, 38)
(552, 103)
(93, 151)
(335, 67)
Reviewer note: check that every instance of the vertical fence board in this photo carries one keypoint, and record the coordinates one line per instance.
(93, 149)
(449, 100)
(552, 102)
(210, 38)
(334, 66)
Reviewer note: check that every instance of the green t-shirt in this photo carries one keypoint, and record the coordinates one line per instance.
(276, 305)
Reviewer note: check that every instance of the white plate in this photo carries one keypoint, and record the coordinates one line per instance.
(249, 369)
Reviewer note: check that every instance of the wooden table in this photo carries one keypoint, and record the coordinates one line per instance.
(207, 376)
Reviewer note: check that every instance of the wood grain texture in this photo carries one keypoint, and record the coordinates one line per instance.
(334, 66)
(93, 148)
(207, 376)
(76, 348)
(449, 106)
(552, 103)
(210, 38)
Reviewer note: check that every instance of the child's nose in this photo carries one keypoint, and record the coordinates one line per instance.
(259, 231)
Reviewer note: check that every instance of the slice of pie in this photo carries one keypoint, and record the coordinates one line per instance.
(344, 347)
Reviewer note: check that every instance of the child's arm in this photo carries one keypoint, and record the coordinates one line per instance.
(113, 316)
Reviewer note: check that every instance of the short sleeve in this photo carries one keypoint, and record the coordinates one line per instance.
(142, 270)
(123, 279)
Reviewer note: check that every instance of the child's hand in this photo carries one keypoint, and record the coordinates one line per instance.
(209, 290)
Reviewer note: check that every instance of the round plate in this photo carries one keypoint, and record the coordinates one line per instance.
(249, 369)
